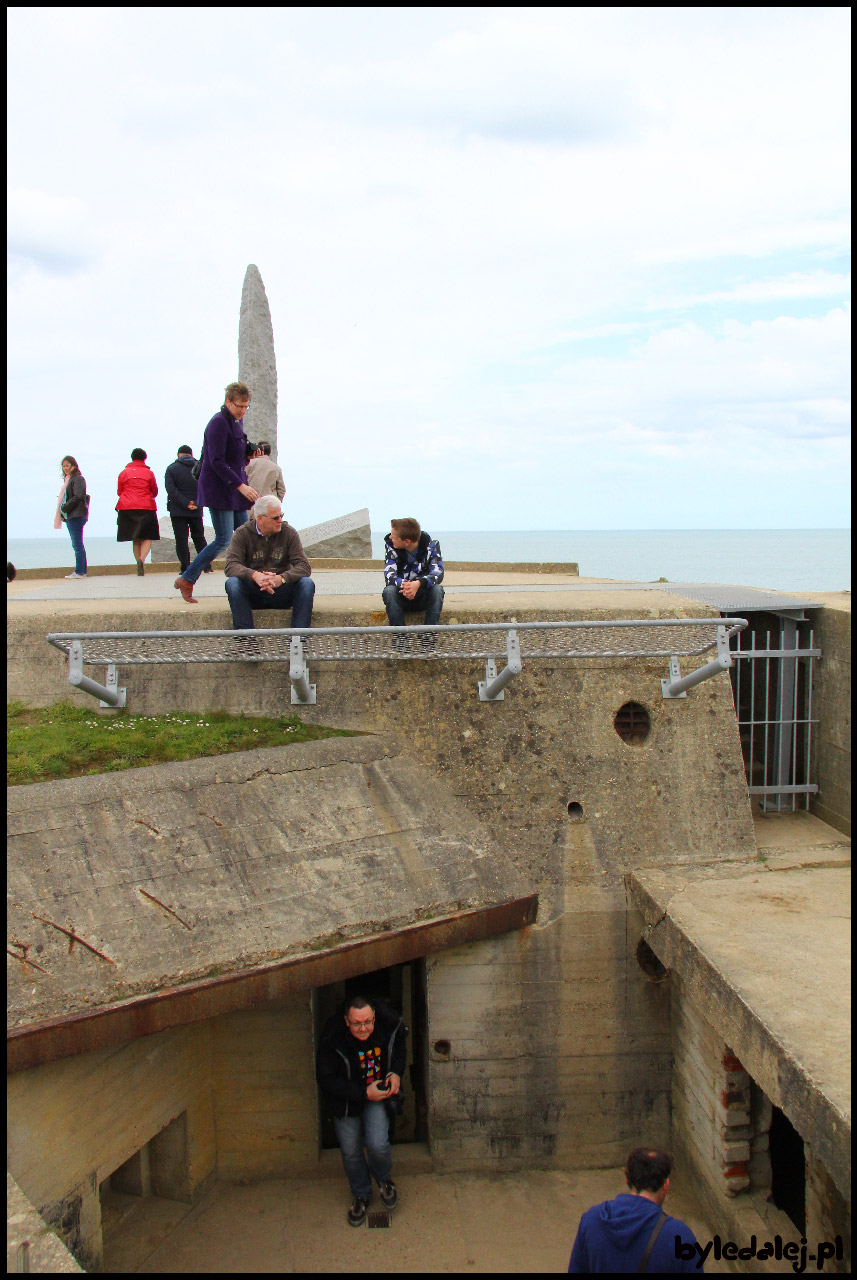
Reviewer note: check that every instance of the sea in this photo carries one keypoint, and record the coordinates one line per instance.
(780, 559)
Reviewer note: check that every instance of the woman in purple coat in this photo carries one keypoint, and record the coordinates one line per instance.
(223, 486)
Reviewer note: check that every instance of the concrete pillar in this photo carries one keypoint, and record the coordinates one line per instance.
(168, 1159)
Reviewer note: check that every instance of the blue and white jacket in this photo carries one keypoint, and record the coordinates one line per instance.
(425, 565)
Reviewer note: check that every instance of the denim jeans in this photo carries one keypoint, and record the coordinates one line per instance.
(429, 599)
(372, 1129)
(244, 597)
(224, 524)
(182, 526)
(75, 531)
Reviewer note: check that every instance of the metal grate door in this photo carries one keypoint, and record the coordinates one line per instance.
(772, 687)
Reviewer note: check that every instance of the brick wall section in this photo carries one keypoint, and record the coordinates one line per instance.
(711, 1102)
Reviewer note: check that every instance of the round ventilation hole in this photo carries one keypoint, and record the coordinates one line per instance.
(575, 811)
(632, 723)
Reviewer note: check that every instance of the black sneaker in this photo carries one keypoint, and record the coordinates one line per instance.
(357, 1212)
(389, 1194)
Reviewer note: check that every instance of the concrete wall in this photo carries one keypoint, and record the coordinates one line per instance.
(72, 1123)
(720, 1138)
(263, 1074)
(560, 1047)
(831, 696)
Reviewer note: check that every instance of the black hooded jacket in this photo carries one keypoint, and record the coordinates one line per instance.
(337, 1068)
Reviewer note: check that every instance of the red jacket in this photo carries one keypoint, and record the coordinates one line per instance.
(137, 488)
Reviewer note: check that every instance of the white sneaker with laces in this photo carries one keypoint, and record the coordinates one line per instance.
(75, 575)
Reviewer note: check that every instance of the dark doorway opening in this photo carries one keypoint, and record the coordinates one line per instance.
(788, 1169)
(403, 987)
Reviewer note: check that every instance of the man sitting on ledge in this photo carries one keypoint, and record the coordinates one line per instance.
(266, 568)
(413, 572)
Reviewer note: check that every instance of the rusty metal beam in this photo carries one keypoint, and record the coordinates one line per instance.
(54, 1038)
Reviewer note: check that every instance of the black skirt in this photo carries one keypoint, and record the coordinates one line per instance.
(137, 526)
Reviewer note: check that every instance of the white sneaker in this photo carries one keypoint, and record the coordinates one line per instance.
(75, 575)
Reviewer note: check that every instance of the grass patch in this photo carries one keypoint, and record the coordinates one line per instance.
(63, 741)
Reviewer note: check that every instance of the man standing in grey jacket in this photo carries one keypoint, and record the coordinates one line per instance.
(266, 568)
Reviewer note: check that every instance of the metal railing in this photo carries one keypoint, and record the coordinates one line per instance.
(670, 638)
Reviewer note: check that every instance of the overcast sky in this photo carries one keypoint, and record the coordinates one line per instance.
(527, 268)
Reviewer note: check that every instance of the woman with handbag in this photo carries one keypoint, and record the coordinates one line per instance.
(73, 512)
(137, 521)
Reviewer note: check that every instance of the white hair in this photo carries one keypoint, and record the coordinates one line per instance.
(264, 504)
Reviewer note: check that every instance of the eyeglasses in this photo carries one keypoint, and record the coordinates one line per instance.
(361, 1026)
(270, 517)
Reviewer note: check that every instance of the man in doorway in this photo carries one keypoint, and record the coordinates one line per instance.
(359, 1067)
(413, 572)
(632, 1232)
(266, 568)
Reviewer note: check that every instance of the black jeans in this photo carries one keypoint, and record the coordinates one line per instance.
(182, 526)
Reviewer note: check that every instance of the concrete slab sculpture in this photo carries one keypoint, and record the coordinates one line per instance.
(348, 536)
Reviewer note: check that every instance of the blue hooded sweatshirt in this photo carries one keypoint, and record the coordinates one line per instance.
(612, 1237)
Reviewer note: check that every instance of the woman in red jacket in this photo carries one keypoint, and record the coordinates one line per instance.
(138, 519)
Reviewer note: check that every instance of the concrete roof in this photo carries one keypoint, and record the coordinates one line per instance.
(764, 951)
(156, 889)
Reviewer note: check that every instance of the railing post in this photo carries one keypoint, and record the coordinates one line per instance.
(491, 688)
(303, 693)
(110, 694)
(676, 685)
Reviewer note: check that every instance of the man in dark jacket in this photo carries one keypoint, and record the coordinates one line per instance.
(619, 1234)
(185, 514)
(413, 572)
(266, 568)
(359, 1066)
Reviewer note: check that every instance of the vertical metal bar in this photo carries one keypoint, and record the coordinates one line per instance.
(765, 779)
(797, 681)
(809, 716)
(785, 700)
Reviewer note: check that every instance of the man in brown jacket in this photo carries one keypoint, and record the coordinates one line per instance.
(266, 568)
(264, 475)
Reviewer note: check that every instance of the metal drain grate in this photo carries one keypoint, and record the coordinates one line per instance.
(379, 1219)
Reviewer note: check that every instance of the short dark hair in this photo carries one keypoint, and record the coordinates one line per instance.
(358, 1002)
(138, 455)
(185, 448)
(265, 447)
(648, 1170)
(408, 529)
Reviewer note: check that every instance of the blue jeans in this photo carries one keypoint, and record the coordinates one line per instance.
(75, 531)
(224, 524)
(244, 597)
(429, 599)
(372, 1129)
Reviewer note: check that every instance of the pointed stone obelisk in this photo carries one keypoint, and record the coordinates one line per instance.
(257, 364)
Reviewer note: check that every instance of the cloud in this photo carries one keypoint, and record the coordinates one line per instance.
(50, 233)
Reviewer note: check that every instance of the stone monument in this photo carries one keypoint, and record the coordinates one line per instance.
(257, 364)
(347, 536)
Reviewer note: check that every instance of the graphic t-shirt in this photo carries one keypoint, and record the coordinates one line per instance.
(369, 1056)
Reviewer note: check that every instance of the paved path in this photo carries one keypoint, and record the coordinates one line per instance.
(451, 1223)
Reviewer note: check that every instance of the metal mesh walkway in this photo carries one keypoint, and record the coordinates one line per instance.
(620, 638)
(625, 638)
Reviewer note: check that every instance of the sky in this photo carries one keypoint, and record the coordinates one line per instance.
(527, 268)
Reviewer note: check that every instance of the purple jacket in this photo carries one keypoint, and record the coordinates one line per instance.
(223, 453)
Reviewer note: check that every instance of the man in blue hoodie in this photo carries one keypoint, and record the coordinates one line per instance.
(617, 1235)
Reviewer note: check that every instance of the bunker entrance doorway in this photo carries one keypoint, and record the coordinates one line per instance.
(788, 1169)
(403, 987)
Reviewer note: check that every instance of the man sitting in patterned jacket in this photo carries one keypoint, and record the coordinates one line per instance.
(413, 572)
